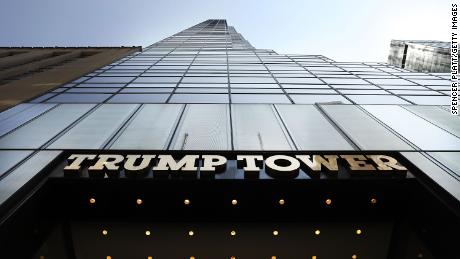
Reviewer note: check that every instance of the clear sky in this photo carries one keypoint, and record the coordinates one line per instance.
(344, 30)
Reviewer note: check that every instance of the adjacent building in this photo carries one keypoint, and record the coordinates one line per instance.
(203, 146)
(420, 55)
(26, 73)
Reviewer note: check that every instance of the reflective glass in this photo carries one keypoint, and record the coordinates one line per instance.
(415, 129)
(204, 127)
(199, 98)
(310, 130)
(256, 127)
(138, 98)
(151, 128)
(94, 130)
(39, 131)
(23, 116)
(364, 131)
(259, 98)
(312, 99)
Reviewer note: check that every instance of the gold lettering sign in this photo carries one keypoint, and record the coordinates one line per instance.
(276, 166)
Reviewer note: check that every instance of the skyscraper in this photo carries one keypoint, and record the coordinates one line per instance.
(420, 55)
(204, 143)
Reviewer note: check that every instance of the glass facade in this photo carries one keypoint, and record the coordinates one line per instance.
(207, 88)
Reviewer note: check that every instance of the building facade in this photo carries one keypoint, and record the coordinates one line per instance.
(202, 146)
(26, 73)
(420, 55)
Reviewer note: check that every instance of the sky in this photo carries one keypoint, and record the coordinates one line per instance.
(348, 30)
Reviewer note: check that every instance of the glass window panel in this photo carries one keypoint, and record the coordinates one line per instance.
(376, 99)
(139, 98)
(258, 90)
(389, 81)
(151, 128)
(312, 99)
(202, 90)
(362, 91)
(345, 81)
(305, 74)
(101, 85)
(110, 79)
(432, 82)
(364, 131)
(94, 130)
(433, 171)
(146, 90)
(119, 73)
(43, 98)
(195, 79)
(254, 86)
(417, 130)
(429, 100)
(449, 159)
(204, 127)
(92, 90)
(439, 87)
(259, 98)
(287, 86)
(9, 158)
(24, 173)
(37, 132)
(203, 85)
(15, 110)
(357, 87)
(79, 98)
(256, 127)
(311, 91)
(335, 75)
(285, 67)
(130, 67)
(207, 68)
(404, 87)
(266, 80)
(157, 79)
(437, 116)
(414, 92)
(299, 80)
(310, 130)
(22, 117)
(199, 98)
(152, 85)
(165, 73)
